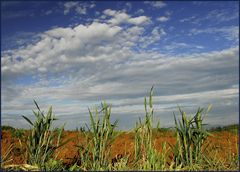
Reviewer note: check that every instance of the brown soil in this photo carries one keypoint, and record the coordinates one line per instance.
(123, 145)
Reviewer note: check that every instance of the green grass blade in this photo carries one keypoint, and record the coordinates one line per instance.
(28, 120)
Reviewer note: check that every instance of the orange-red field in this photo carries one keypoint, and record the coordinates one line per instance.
(221, 143)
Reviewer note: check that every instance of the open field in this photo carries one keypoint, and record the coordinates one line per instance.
(223, 145)
(187, 146)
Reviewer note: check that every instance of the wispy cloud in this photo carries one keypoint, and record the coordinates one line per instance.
(156, 34)
(230, 33)
(179, 45)
(222, 15)
(139, 11)
(156, 4)
(19, 39)
(48, 12)
(215, 17)
(164, 18)
(129, 5)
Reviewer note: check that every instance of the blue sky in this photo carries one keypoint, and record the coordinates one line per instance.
(74, 54)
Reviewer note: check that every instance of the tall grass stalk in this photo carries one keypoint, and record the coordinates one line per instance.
(146, 157)
(95, 156)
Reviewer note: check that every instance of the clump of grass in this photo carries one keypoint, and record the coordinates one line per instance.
(146, 157)
(95, 156)
(40, 145)
(190, 138)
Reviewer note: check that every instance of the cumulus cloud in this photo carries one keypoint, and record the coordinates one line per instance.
(138, 20)
(77, 40)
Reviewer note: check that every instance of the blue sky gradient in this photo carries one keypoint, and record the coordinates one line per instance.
(74, 54)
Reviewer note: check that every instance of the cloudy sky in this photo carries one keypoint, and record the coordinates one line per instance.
(73, 55)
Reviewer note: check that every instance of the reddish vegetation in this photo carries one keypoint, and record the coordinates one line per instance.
(123, 145)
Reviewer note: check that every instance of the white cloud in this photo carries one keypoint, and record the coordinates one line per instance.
(110, 12)
(81, 10)
(222, 15)
(138, 20)
(68, 6)
(156, 4)
(215, 17)
(119, 17)
(78, 7)
(187, 19)
(156, 34)
(163, 19)
(230, 33)
(139, 11)
(179, 45)
(66, 43)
